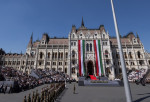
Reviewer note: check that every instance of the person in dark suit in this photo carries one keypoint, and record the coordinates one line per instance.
(1, 87)
(11, 88)
(5, 89)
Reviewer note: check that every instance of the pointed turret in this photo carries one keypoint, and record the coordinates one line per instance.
(30, 42)
(82, 24)
(73, 28)
(102, 28)
(137, 35)
(45, 38)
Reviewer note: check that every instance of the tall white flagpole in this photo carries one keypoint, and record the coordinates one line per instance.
(124, 72)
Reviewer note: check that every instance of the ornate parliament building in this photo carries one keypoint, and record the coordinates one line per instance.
(84, 52)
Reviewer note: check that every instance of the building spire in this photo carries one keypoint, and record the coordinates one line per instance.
(137, 35)
(31, 39)
(31, 36)
(82, 24)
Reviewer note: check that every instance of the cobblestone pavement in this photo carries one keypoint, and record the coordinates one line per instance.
(89, 94)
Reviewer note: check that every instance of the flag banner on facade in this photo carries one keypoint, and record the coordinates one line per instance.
(98, 56)
(81, 53)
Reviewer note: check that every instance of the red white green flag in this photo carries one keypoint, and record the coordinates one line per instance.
(81, 53)
(98, 56)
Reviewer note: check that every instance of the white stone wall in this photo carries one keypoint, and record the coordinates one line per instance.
(66, 64)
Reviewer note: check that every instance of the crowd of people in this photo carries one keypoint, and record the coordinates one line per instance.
(140, 76)
(23, 81)
(136, 74)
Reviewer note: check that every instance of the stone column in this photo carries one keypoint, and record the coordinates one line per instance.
(111, 59)
(57, 56)
(63, 58)
(94, 66)
(134, 53)
(144, 58)
(26, 62)
(45, 60)
(36, 57)
(52, 58)
(69, 57)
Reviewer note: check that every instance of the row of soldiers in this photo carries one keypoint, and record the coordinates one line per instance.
(48, 94)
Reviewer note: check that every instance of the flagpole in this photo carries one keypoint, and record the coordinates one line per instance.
(124, 72)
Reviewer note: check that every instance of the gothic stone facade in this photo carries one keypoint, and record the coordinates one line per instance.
(62, 54)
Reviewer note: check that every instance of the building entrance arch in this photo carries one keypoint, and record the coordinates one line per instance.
(90, 68)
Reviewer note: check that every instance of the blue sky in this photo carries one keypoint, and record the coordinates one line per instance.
(19, 18)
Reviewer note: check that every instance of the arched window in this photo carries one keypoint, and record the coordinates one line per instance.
(95, 35)
(32, 53)
(66, 54)
(125, 55)
(120, 70)
(127, 63)
(141, 62)
(65, 70)
(61, 55)
(40, 63)
(119, 63)
(149, 62)
(55, 54)
(132, 63)
(60, 69)
(73, 54)
(90, 47)
(49, 55)
(73, 61)
(41, 55)
(107, 62)
(106, 53)
(117, 55)
(104, 36)
(73, 36)
(48, 63)
(73, 70)
(23, 62)
(139, 54)
(134, 40)
(87, 47)
(130, 55)
(32, 63)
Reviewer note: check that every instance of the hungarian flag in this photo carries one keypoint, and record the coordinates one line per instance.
(98, 56)
(81, 53)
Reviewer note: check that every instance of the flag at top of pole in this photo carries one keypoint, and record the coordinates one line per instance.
(125, 79)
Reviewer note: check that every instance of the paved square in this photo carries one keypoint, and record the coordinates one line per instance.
(89, 94)
(104, 94)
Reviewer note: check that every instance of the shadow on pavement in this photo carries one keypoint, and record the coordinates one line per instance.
(143, 94)
(75, 93)
(61, 95)
(141, 99)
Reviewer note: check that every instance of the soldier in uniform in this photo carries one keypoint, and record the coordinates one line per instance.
(74, 89)
(25, 100)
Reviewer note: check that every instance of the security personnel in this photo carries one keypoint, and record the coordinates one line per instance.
(25, 100)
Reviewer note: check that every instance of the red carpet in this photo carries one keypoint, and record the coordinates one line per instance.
(93, 77)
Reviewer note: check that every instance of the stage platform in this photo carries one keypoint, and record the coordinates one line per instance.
(105, 83)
